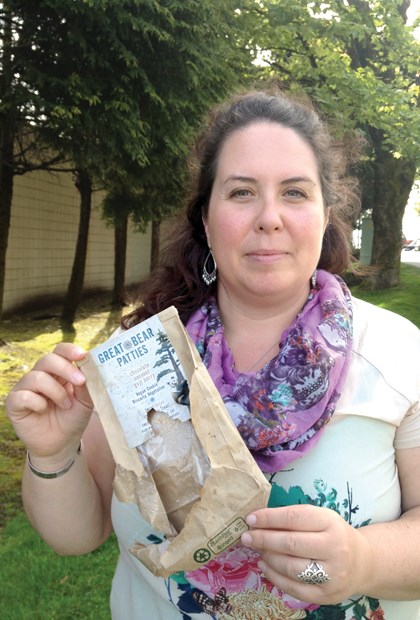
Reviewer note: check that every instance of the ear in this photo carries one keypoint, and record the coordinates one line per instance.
(327, 218)
(206, 230)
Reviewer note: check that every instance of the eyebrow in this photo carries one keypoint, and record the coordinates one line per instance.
(284, 182)
(298, 180)
(240, 178)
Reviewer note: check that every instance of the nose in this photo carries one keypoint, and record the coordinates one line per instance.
(268, 217)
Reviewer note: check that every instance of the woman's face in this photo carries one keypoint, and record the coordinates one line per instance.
(266, 217)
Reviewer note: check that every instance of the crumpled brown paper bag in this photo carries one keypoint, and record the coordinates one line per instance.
(232, 485)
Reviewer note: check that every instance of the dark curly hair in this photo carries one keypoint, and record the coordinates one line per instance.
(177, 279)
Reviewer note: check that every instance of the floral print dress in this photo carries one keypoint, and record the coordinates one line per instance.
(351, 470)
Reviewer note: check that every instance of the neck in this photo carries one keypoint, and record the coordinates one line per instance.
(273, 310)
(253, 331)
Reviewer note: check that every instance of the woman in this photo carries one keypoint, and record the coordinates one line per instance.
(323, 388)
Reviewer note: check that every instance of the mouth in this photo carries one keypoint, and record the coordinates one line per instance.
(266, 256)
(267, 253)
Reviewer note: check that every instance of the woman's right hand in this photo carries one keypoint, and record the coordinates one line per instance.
(50, 407)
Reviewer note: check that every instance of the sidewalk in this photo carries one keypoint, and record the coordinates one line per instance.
(411, 258)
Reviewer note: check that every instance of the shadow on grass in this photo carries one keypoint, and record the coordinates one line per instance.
(112, 323)
(30, 325)
(68, 332)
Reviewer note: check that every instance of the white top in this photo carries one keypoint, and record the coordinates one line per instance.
(351, 470)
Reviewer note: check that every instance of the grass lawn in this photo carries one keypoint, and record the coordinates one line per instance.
(403, 299)
(35, 583)
(38, 584)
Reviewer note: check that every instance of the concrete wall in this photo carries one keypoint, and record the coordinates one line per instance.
(42, 239)
(367, 241)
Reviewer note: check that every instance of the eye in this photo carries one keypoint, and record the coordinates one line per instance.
(241, 192)
(295, 193)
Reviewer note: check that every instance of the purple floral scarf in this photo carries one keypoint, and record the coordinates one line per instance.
(281, 410)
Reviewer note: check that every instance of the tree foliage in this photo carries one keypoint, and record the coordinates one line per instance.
(109, 86)
(359, 61)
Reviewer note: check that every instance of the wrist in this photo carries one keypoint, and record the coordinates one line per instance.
(365, 571)
(46, 469)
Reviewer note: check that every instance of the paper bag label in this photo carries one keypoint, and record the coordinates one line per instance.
(225, 539)
(141, 371)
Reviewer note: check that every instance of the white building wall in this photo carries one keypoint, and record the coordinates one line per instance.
(42, 240)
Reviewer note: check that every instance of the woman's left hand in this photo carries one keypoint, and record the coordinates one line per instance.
(291, 537)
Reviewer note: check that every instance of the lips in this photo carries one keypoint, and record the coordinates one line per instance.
(267, 253)
(266, 256)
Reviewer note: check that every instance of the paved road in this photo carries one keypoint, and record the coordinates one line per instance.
(411, 258)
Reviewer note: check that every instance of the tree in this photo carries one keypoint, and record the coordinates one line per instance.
(359, 61)
(20, 116)
(154, 190)
(105, 83)
(120, 201)
(58, 98)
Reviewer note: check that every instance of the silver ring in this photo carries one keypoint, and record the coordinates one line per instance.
(313, 573)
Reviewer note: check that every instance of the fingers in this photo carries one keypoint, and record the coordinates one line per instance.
(50, 406)
(288, 539)
(300, 518)
(53, 379)
(70, 351)
(301, 531)
(304, 570)
(307, 551)
(291, 544)
(286, 578)
(35, 392)
(61, 362)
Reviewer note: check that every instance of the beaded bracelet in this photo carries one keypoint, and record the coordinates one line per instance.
(52, 474)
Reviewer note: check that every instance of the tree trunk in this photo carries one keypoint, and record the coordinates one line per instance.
(154, 252)
(75, 287)
(394, 179)
(120, 255)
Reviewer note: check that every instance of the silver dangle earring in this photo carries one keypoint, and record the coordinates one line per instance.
(313, 278)
(209, 276)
